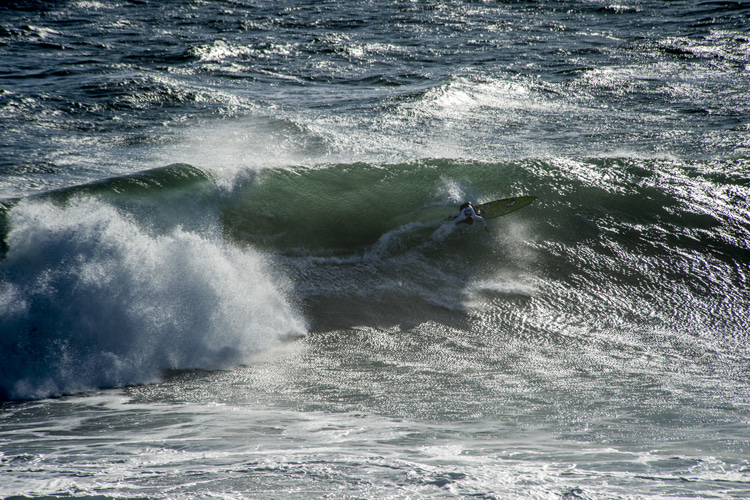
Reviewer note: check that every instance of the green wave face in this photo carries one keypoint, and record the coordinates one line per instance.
(341, 208)
(652, 205)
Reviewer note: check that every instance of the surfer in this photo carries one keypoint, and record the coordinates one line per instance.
(468, 215)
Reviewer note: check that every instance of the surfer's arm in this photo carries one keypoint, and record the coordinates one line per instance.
(478, 217)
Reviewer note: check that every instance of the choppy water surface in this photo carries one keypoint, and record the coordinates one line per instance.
(223, 274)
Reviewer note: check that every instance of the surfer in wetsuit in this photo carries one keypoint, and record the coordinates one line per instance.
(468, 215)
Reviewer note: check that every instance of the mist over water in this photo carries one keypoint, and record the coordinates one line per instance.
(223, 270)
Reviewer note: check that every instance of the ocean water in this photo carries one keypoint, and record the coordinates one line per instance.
(223, 272)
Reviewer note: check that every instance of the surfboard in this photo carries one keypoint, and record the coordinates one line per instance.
(498, 208)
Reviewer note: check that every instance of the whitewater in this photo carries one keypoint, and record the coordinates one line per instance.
(224, 270)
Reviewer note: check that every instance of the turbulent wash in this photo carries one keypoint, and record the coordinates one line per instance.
(220, 274)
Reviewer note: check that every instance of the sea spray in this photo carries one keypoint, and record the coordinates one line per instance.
(88, 298)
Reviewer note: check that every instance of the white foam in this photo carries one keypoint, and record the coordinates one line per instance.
(88, 298)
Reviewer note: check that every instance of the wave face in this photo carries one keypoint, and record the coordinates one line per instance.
(112, 283)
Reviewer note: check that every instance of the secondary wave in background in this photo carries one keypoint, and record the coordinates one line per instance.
(118, 86)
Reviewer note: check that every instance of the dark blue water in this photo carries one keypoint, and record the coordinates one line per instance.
(220, 275)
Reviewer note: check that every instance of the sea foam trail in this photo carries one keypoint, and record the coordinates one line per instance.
(89, 299)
